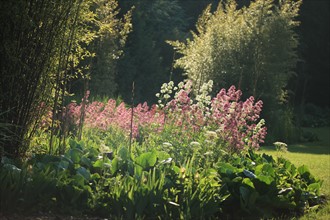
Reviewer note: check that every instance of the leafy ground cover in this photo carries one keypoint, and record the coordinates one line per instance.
(316, 155)
(200, 162)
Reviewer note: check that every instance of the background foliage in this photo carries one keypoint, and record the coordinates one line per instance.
(191, 154)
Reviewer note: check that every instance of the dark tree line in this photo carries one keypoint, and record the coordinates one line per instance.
(49, 49)
(309, 85)
(45, 46)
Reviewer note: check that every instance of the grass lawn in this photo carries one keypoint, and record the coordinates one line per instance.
(316, 156)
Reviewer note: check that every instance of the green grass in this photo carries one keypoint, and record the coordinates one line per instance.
(316, 156)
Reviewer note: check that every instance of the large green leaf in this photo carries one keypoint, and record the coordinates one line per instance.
(314, 187)
(79, 180)
(85, 161)
(265, 179)
(265, 169)
(123, 153)
(98, 164)
(226, 168)
(303, 170)
(147, 160)
(162, 155)
(75, 155)
(248, 182)
(248, 196)
(84, 172)
(114, 165)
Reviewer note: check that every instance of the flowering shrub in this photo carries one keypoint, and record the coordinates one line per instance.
(181, 113)
(103, 116)
(235, 121)
(182, 164)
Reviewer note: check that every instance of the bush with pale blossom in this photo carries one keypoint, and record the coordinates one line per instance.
(236, 123)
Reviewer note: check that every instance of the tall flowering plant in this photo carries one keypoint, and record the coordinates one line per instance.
(183, 114)
(235, 122)
(104, 115)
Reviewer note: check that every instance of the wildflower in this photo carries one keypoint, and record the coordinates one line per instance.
(197, 176)
(182, 170)
(167, 96)
(211, 135)
(280, 146)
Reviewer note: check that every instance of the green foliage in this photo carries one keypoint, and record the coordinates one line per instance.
(59, 43)
(282, 126)
(147, 59)
(252, 47)
(112, 32)
(39, 60)
(265, 187)
(196, 179)
(316, 156)
(314, 116)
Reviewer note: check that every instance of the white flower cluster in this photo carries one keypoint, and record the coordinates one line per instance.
(259, 126)
(166, 91)
(203, 97)
(281, 146)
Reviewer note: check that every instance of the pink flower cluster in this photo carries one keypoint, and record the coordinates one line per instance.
(103, 116)
(234, 121)
(237, 120)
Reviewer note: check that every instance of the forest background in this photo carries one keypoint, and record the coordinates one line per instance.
(54, 52)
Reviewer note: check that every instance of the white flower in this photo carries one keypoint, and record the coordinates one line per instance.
(167, 144)
(211, 134)
(167, 96)
(278, 143)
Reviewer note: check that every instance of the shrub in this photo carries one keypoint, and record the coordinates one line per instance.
(234, 121)
(151, 183)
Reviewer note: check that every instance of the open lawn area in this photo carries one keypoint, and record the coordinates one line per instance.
(316, 155)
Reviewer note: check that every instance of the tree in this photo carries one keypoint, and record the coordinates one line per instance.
(147, 59)
(112, 30)
(44, 45)
(252, 47)
(32, 40)
(312, 82)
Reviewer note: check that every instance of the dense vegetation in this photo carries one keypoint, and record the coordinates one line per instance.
(76, 135)
(189, 158)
